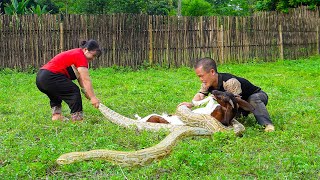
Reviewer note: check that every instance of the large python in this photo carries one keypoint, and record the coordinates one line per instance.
(196, 125)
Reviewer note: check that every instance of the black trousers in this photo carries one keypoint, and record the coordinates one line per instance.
(59, 88)
(259, 101)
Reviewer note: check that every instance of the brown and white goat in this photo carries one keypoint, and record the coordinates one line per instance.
(229, 105)
(173, 119)
(224, 112)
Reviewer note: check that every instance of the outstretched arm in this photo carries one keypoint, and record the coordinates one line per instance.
(85, 83)
(201, 102)
(82, 88)
(197, 97)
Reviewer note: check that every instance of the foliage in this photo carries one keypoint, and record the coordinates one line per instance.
(30, 142)
(38, 10)
(130, 6)
(51, 7)
(93, 7)
(196, 8)
(67, 6)
(162, 7)
(22, 7)
(2, 3)
(232, 7)
(284, 5)
(156, 7)
(152, 7)
(16, 7)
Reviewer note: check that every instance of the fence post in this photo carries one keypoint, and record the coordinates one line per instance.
(61, 37)
(150, 41)
(221, 44)
(114, 31)
(280, 42)
(317, 37)
(201, 36)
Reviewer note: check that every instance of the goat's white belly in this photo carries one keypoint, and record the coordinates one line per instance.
(205, 110)
(175, 120)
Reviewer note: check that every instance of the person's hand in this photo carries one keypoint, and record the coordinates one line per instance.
(95, 102)
(188, 104)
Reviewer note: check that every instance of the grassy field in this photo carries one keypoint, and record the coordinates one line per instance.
(30, 142)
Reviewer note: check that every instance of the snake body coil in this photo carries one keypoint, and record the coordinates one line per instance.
(196, 125)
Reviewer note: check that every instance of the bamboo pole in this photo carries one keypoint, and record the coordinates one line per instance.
(37, 40)
(61, 37)
(185, 42)
(201, 44)
(1, 40)
(167, 42)
(150, 40)
(280, 42)
(114, 40)
(221, 44)
(317, 37)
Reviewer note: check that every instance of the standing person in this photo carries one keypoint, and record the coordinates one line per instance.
(206, 70)
(55, 79)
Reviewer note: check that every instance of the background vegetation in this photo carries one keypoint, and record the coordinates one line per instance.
(30, 142)
(152, 7)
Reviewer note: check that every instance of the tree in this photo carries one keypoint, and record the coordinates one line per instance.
(162, 7)
(232, 7)
(93, 7)
(284, 5)
(67, 6)
(130, 6)
(196, 8)
(50, 6)
(38, 10)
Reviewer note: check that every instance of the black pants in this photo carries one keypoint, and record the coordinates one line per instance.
(59, 88)
(259, 101)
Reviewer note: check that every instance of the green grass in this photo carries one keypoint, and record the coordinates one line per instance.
(30, 142)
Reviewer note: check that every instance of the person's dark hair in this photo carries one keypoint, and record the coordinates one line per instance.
(91, 45)
(206, 63)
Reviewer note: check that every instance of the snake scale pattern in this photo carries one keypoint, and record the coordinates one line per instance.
(196, 125)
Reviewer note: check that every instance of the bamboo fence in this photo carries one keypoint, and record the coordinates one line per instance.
(132, 40)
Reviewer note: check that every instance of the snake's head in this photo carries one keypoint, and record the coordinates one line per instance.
(70, 158)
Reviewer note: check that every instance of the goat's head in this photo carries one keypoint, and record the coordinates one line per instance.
(229, 105)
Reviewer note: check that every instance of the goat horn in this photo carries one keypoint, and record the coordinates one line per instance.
(231, 102)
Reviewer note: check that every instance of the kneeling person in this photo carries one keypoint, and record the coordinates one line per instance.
(206, 70)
